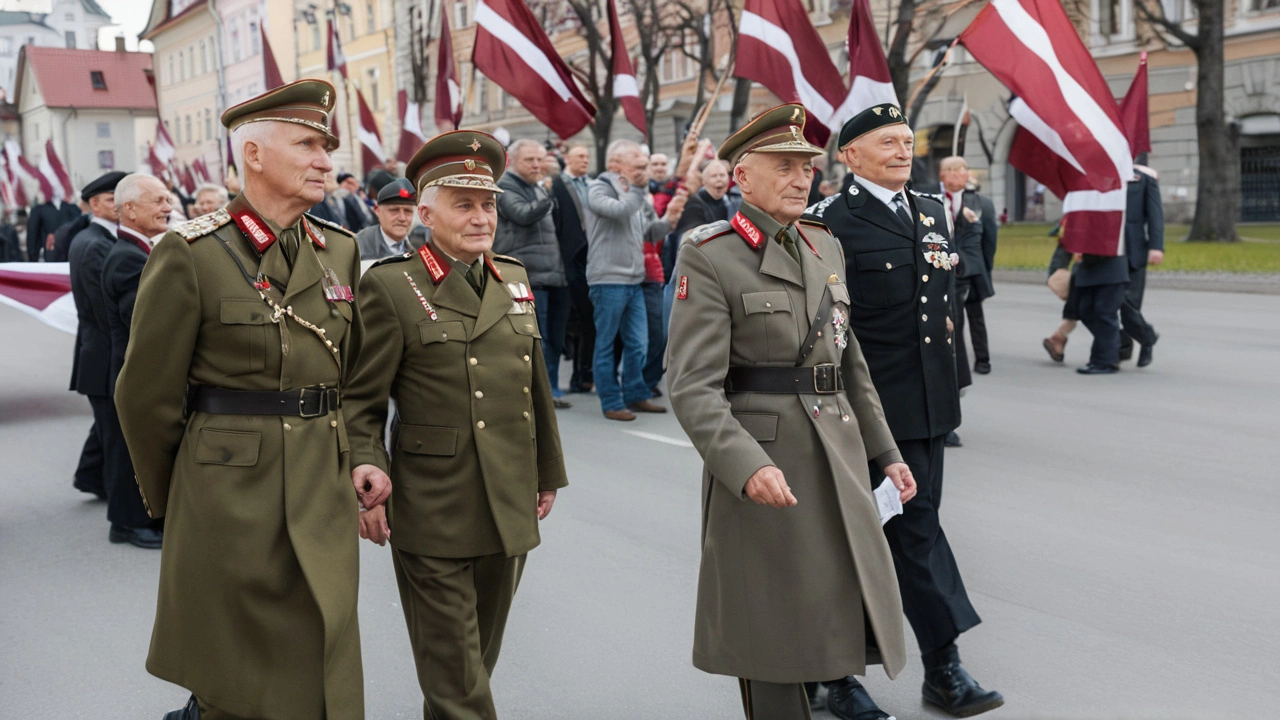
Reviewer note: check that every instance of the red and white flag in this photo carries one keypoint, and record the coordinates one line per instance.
(58, 171)
(512, 50)
(163, 146)
(448, 92)
(1064, 102)
(153, 161)
(780, 49)
(625, 88)
(14, 154)
(868, 70)
(1134, 115)
(334, 59)
(14, 195)
(41, 290)
(371, 153)
(272, 78)
(411, 135)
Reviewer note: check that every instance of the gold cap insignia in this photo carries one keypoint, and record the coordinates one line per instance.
(469, 164)
(795, 115)
(876, 110)
(893, 112)
(795, 132)
(475, 145)
(325, 100)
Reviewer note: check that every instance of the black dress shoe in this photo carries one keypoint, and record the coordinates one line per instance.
(1144, 355)
(848, 700)
(951, 688)
(190, 711)
(1092, 369)
(143, 537)
(1126, 353)
(982, 368)
(817, 703)
(87, 488)
(953, 440)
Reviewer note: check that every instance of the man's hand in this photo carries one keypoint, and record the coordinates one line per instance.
(546, 498)
(768, 487)
(951, 327)
(676, 207)
(48, 242)
(373, 487)
(1155, 257)
(900, 475)
(373, 525)
(688, 152)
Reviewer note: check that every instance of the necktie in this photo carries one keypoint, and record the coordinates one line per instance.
(580, 184)
(951, 206)
(289, 244)
(475, 276)
(789, 244)
(900, 209)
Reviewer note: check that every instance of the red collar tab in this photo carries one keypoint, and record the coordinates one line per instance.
(317, 236)
(436, 266)
(134, 238)
(253, 226)
(488, 261)
(804, 237)
(747, 230)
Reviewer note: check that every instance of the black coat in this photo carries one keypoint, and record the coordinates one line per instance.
(900, 304)
(324, 211)
(90, 364)
(976, 243)
(10, 248)
(63, 235)
(121, 272)
(1143, 220)
(359, 216)
(700, 210)
(571, 231)
(44, 220)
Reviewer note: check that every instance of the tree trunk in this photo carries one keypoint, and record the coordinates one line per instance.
(1218, 186)
(899, 69)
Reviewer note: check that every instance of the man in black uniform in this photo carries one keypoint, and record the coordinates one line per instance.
(89, 363)
(45, 219)
(901, 280)
(967, 208)
(1144, 244)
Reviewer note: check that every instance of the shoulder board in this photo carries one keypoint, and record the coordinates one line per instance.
(203, 225)
(710, 231)
(330, 225)
(931, 196)
(821, 206)
(391, 259)
(815, 224)
(508, 259)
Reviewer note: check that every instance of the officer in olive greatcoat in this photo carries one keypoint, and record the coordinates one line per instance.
(243, 336)
(901, 268)
(453, 338)
(796, 582)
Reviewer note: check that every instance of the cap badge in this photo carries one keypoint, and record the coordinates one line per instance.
(795, 133)
(795, 115)
(877, 110)
(404, 193)
(893, 112)
(469, 163)
(475, 145)
(325, 100)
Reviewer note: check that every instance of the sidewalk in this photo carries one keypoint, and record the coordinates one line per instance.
(1263, 284)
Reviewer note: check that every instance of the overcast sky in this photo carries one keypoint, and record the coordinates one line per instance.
(130, 17)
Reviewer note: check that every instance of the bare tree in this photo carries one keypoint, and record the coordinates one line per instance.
(1218, 184)
(594, 70)
(655, 38)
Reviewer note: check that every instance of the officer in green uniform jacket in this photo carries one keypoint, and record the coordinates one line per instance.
(452, 337)
(244, 332)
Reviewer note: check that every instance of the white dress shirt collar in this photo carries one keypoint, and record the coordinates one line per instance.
(110, 226)
(883, 194)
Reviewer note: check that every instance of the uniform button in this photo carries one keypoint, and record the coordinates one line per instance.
(526, 391)
(924, 318)
(924, 299)
(333, 423)
(480, 425)
(888, 266)
(928, 340)
(526, 416)
(948, 341)
(473, 361)
(287, 426)
(924, 278)
(768, 304)
(526, 358)
(844, 418)
(479, 394)
(444, 335)
(944, 297)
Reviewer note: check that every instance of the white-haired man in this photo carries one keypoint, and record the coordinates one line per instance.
(242, 337)
(209, 197)
(452, 337)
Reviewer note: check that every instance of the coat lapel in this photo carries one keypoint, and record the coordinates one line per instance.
(306, 267)
(818, 273)
(777, 263)
(493, 306)
(454, 293)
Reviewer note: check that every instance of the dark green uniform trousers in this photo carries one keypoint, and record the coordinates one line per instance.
(774, 701)
(456, 610)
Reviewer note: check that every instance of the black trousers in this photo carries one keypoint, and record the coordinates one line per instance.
(580, 339)
(89, 473)
(977, 329)
(1100, 312)
(1133, 326)
(964, 286)
(124, 499)
(933, 595)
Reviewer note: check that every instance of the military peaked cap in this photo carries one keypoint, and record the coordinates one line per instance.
(776, 130)
(305, 102)
(462, 159)
(873, 118)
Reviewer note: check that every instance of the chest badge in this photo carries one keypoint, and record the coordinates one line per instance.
(521, 299)
(937, 252)
(840, 324)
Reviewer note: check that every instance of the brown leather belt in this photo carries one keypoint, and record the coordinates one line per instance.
(303, 402)
(824, 379)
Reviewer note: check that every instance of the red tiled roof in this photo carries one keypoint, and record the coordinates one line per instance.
(63, 76)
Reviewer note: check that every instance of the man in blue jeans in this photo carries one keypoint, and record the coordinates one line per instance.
(617, 226)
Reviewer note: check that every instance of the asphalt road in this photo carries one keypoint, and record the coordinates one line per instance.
(1119, 535)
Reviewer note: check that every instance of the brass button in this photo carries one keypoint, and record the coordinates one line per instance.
(888, 266)
(287, 426)
(526, 391)
(333, 423)
(928, 340)
(479, 394)
(844, 418)
(444, 335)
(526, 358)
(924, 318)
(924, 299)
(473, 361)
(924, 278)
(526, 416)
(480, 425)
(768, 304)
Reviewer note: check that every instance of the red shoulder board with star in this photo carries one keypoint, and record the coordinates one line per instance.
(488, 261)
(747, 230)
(253, 226)
(804, 237)
(437, 267)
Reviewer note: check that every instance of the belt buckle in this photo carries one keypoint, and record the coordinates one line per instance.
(319, 398)
(826, 379)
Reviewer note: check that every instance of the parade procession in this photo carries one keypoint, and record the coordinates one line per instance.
(635, 341)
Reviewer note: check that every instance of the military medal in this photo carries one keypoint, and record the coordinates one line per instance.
(520, 295)
(334, 290)
(840, 323)
(936, 252)
(431, 313)
(262, 283)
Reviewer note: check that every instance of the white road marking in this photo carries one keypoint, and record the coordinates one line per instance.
(660, 438)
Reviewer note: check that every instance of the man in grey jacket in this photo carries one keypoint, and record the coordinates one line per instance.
(397, 203)
(617, 226)
(527, 232)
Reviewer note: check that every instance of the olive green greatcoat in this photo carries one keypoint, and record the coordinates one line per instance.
(477, 438)
(781, 592)
(256, 612)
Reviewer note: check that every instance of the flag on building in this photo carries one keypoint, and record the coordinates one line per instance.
(334, 59)
(780, 49)
(272, 78)
(58, 170)
(411, 135)
(41, 290)
(371, 153)
(512, 50)
(625, 88)
(448, 92)
(1135, 117)
(870, 83)
(1063, 102)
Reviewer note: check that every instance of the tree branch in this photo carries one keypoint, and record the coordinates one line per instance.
(1161, 24)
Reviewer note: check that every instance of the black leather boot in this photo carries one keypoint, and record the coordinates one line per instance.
(848, 700)
(190, 711)
(949, 686)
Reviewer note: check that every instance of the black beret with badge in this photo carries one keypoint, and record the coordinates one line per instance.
(776, 130)
(399, 192)
(461, 159)
(105, 184)
(873, 118)
(307, 102)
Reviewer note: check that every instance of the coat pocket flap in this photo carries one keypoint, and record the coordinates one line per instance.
(526, 324)
(770, 301)
(428, 440)
(239, 311)
(431, 331)
(761, 426)
(228, 447)
(884, 260)
(839, 292)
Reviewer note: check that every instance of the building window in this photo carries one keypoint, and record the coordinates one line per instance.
(208, 123)
(1113, 17)
(171, 74)
(235, 43)
(70, 17)
(368, 17)
(6, 47)
(104, 130)
(189, 128)
(255, 39)
(99, 82)
(675, 66)
(373, 88)
(315, 36)
(204, 63)
(31, 39)
(460, 13)
(212, 62)
(106, 160)
(71, 39)
(191, 61)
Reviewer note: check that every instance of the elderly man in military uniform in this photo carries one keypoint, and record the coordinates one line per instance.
(243, 335)
(452, 336)
(395, 208)
(901, 268)
(796, 581)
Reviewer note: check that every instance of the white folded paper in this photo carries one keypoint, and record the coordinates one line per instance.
(888, 501)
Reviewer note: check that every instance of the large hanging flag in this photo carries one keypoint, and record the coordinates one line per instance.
(1134, 115)
(58, 170)
(411, 135)
(1062, 101)
(14, 195)
(448, 92)
(272, 78)
(625, 88)
(371, 153)
(868, 70)
(334, 59)
(780, 49)
(41, 290)
(512, 50)
(163, 146)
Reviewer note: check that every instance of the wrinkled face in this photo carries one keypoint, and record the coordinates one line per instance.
(715, 178)
(954, 177)
(577, 160)
(292, 163)
(777, 183)
(883, 156)
(550, 166)
(206, 202)
(149, 215)
(528, 162)
(396, 219)
(462, 221)
(659, 167)
(103, 205)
